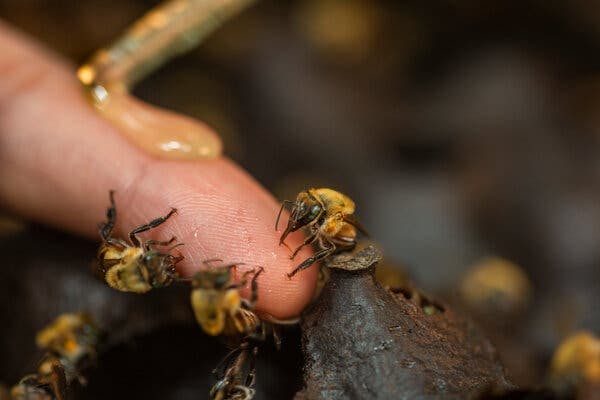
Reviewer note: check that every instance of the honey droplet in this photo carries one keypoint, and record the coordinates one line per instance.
(160, 132)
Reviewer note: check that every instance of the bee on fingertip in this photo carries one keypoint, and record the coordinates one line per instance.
(329, 217)
(220, 310)
(218, 305)
(135, 266)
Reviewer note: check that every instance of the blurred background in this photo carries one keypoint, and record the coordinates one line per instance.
(462, 130)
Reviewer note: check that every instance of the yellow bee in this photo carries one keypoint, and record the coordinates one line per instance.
(329, 216)
(49, 383)
(236, 382)
(70, 337)
(69, 340)
(135, 267)
(495, 286)
(576, 361)
(218, 306)
(221, 311)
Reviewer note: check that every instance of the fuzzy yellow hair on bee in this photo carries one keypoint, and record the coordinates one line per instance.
(329, 217)
(135, 266)
(218, 306)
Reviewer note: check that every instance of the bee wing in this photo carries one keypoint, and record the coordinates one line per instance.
(227, 361)
(352, 220)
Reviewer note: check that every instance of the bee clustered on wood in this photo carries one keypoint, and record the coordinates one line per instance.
(356, 325)
(70, 344)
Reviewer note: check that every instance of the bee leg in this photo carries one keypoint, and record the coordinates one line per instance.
(244, 280)
(107, 227)
(232, 368)
(254, 286)
(320, 255)
(221, 369)
(152, 224)
(283, 203)
(276, 336)
(59, 388)
(217, 391)
(174, 247)
(243, 369)
(53, 376)
(177, 259)
(258, 335)
(149, 243)
(309, 240)
(287, 246)
(252, 369)
(243, 382)
(244, 391)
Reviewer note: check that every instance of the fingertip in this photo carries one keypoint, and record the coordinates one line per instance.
(222, 213)
(286, 297)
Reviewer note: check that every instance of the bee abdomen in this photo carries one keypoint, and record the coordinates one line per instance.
(126, 278)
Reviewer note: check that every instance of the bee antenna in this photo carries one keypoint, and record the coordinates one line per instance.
(174, 246)
(283, 203)
(106, 228)
(211, 260)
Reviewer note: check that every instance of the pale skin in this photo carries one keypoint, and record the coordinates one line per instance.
(59, 159)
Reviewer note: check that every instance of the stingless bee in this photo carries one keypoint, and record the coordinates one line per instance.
(221, 311)
(329, 216)
(218, 305)
(236, 382)
(135, 267)
(70, 340)
(49, 383)
(576, 362)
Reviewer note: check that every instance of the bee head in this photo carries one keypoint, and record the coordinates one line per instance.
(157, 261)
(305, 211)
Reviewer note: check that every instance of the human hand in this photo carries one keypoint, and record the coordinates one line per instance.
(59, 159)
